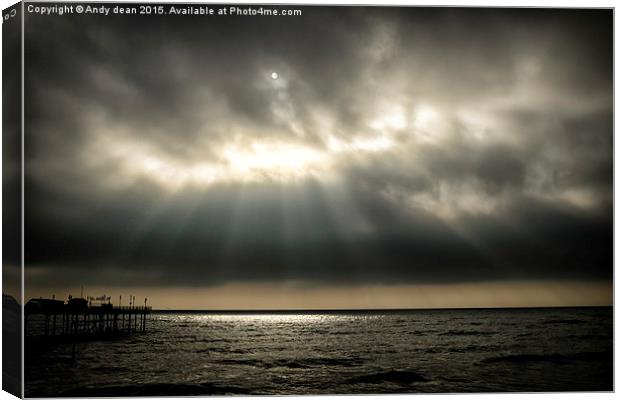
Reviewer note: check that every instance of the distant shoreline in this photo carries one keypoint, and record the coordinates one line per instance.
(360, 310)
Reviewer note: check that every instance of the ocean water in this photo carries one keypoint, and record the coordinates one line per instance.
(444, 351)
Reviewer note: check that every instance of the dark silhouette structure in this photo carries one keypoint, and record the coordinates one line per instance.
(78, 318)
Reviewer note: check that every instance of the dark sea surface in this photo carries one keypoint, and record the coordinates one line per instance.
(455, 351)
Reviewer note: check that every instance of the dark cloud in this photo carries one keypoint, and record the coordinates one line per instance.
(410, 145)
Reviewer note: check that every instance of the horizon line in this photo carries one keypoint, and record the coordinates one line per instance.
(327, 310)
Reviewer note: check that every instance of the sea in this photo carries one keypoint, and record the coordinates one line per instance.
(337, 352)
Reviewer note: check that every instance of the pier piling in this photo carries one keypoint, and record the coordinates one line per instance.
(79, 318)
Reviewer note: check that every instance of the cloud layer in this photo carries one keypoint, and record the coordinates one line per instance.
(396, 145)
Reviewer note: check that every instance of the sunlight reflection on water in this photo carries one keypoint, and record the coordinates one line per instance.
(364, 352)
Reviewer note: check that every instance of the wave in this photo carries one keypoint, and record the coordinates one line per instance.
(317, 361)
(226, 350)
(149, 389)
(472, 348)
(333, 361)
(592, 336)
(550, 358)
(564, 321)
(248, 362)
(394, 376)
(213, 340)
(419, 333)
(296, 363)
(467, 333)
(212, 350)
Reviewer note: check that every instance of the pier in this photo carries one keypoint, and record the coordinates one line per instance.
(79, 318)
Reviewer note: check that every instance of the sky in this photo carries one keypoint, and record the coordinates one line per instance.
(350, 157)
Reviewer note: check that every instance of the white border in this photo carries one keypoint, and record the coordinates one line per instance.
(480, 3)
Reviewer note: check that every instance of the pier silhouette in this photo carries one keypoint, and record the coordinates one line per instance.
(83, 319)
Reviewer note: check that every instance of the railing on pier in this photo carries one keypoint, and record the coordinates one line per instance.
(63, 320)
